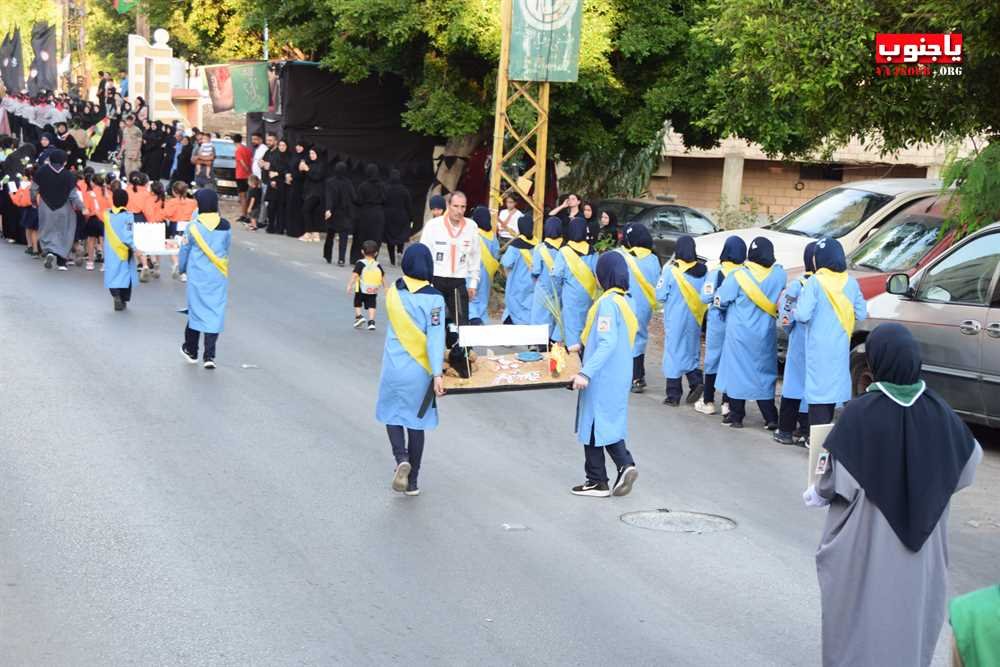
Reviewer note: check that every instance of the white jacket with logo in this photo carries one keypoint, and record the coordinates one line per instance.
(455, 252)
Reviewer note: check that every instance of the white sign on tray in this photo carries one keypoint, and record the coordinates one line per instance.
(151, 238)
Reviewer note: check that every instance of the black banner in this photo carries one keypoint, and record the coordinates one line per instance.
(43, 74)
(12, 63)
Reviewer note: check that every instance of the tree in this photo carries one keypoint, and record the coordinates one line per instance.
(796, 77)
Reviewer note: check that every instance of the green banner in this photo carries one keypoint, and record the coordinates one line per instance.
(250, 87)
(545, 40)
(124, 6)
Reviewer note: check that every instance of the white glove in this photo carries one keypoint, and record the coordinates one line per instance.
(813, 499)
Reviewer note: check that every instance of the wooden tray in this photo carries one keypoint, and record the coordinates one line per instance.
(488, 377)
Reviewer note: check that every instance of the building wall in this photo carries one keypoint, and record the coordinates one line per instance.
(697, 182)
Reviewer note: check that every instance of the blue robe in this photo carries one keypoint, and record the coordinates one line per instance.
(715, 321)
(119, 274)
(206, 286)
(793, 384)
(576, 300)
(404, 383)
(517, 297)
(607, 362)
(548, 284)
(681, 331)
(749, 366)
(479, 307)
(649, 266)
(827, 345)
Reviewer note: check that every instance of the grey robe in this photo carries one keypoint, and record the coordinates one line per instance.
(57, 229)
(882, 603)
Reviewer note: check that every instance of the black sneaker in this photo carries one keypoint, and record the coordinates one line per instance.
(595, 489)
(799, 436)
(49, 260)
(771, 426)
(672, 402)
(783, 438)
(626, 478)
(412, 489)
(209, 364)
(340, 262)
(359, 322)
(638, 386)
(401, 477)
(371, 325)
(188, 357)
(733, 424)
(119, 304)
(726, 420)
(694, 394)
(29, 251)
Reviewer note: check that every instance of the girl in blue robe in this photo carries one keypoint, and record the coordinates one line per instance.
(548, 284)
(517, 263)
(794, 411)
(683, 314)
(411, 365)
(829, 305)
(734, 253)
(204, 257)
(749, 366)
(489, 247)
(604, 380)
(575, 266)
(119, 250)
(644, 272)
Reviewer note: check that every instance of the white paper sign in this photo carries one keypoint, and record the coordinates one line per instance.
(151, 238)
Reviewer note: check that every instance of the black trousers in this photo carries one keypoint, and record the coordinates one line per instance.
(276, 210)
(332, 236)
(191, 342)
(356, 243)
(312, 214)
(789, 416)
(456, 303)
(393, 249)
(593, 465)
(124, 292)
(738, 410)
(675, 386)
(639, 367)
(412, 451)
(821, 413)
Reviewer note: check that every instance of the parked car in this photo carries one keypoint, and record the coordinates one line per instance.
(952, 307)
(666, 222)
(225, 166)
(905, 243)
(850, 213)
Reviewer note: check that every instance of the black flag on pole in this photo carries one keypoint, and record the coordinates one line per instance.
(12, 64)
(42, 75)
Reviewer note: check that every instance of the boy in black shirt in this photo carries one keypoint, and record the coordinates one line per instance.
(366, 280)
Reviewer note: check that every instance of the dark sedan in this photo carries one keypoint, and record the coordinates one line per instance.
(666, 222)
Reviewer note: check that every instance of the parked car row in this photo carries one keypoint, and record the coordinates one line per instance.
(666, 222)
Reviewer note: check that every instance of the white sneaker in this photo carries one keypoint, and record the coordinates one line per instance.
(184, 277)
(90, 266)
(704, 408)
(725, 409)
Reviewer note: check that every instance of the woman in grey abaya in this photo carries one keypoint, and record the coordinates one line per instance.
(54, 193)
(896, 456)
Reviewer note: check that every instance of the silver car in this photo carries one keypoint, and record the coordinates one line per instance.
(952, 307)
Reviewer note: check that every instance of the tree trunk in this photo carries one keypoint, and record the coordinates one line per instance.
(447, 177)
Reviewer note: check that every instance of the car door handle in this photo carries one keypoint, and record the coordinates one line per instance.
(970, 327)
(993, 329)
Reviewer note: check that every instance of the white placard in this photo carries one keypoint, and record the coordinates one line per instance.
(503, 335)
(817, 436)
(150, 238)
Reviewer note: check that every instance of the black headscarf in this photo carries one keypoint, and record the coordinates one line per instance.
(809, 257)
(685, 251)
(612, 271)
(830, 255)
(208, 201)
(526, 228)
(418, 264)
(480, 215)
(55, 182)
(761, 252)
(552, 229)
(637, 236)
(436, 202)
(578, 232)
(907, 459)
(734, 250)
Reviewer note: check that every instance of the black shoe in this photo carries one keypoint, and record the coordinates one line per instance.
(594, 489)
(119, 304)
(49, 260)
(412, 489)
(188, 357)
(694, 394)
(799, 436)
(727, 419)
(672, 402)
(783, 438)
(771, 426)
(626, 478)
(209, 364)
(638, 386)
(733, 424)
(340, 262)
(29, 251)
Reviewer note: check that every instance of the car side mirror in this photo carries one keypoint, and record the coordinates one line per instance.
(898, 284)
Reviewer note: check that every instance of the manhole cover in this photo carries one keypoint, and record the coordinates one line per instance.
(678, 522)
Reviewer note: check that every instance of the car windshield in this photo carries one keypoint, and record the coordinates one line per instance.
(898, 248)
(832, 214)
(224, 148)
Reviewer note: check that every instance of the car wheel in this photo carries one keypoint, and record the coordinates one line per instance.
(861, 374)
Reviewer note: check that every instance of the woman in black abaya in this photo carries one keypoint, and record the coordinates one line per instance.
(398, 214)
(371, 212)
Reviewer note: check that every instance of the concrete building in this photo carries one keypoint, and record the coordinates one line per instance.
(738, 171)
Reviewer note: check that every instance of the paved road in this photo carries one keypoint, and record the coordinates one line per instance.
(153, 512)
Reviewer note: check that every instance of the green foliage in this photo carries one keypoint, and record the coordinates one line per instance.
(107, 36)
(207, 31)
(737, 217)
(977, 179)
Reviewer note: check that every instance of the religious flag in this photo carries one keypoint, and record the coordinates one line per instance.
(123, 6)
(241, 87)
(12, 63)
(42, 75)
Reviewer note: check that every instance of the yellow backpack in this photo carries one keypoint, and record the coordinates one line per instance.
(371, 277)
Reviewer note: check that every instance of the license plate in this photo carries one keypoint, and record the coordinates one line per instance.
(227, 184)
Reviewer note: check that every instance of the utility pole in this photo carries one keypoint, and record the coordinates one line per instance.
(267, 39)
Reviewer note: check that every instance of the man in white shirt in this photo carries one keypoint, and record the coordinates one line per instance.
(453, 240)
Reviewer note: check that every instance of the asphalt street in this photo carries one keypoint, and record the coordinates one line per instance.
(156, 513)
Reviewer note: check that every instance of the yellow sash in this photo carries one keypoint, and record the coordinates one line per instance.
(582, 247)
(221, 263)
(490, 262)
(526, 256)
(546, 256)
(644, 285)
(753, 290)
(690, 294)
(727, 268)
(833, 283)
(121, 250)
(631, 322)
(556, 243)
(413, 340)
(580, 271)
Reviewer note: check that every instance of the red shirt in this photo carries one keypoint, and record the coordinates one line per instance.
(244, 160)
